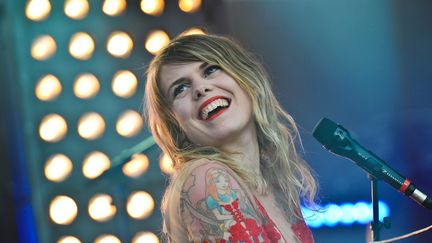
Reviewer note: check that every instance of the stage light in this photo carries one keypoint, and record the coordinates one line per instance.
(43, 48)
(63, 210)
(101, 208)
(86, 86)
(91, 126)
(38, 10)
(333, 215)
(136, 166)
(68, 239)
(194, 31)
(156, 40)
(140, 205)
(348, 214)
(52, 128)
(76, 9)
(81, 46)
(166, 164)
(145, 237)
(129, 123)
(114, 7)
(48, 88)
(119, 44)
(362, 212)
(107, 239)
(58, 167)
(153, 7)
(95, 164)
(124, 83)
(189, 6)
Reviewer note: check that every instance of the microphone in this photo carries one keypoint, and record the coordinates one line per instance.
(337, 140)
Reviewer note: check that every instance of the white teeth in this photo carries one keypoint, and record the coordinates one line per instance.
(213, 105)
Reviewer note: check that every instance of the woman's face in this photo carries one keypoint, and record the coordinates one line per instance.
(209, 105)
(221, 182)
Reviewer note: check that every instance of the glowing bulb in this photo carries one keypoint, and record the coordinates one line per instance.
(95, 164)
(166, 164)
(48, 88)
(189, 6)
(153, 7)
(43, 47)
(38, 10)
(140, 205)
(145, 237)
(58, 167)
(63, 210)
(101, 208)
(137, 166)
(91, 126)
(52, 128)
(81, 46)
(68, 239)
(114, 7)
(129, 123)
(124, 83)
(86, 86)
(119, 44)
(156, 40)
(76, 9)
(107, 239)
(194, 31)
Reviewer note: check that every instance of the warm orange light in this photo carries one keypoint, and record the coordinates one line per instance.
(129, 123)
(101, 208)
(153, 7)
(91, 126)
(124, 83)
(63, 210)
(86, 86)
(43, 47)
(37, 10)
(48, 88)
(95, 164)
(140, 205)
(136, 166)
(156, 40)
(81, 46)
(69, 239)
(166, 164)
(76, 9)
(194, 31)
(145, 237)
(107, 239)
(58, 167)
(52, 128)
(114, 7)
(119, 44)
(189, 6)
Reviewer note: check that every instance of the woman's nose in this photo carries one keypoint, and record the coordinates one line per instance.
(201, 91)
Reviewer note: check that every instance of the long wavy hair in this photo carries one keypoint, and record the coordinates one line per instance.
(281, 166)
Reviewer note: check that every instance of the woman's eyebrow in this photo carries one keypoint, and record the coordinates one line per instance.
(182, 79)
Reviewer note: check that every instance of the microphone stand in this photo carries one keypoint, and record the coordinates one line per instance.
(376, 225)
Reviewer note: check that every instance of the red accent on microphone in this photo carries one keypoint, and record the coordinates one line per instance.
(405, 185)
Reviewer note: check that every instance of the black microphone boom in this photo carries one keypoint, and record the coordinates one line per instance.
(337, 140)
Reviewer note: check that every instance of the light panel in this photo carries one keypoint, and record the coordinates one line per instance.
(114, 7)
(124, 83)
(63, 210)
(58, 167)
(101, 208)
(76, 9)
(86, 86)
(129, 123)
(52, 128)
(81, 46)
(153, 7)
(136, 166)
(140, 205)
(91, 126)
(119, 44)
(189, 6)
(95, 163)
(156, 40)
(37, 10)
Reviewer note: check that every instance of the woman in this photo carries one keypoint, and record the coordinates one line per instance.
(210, 108)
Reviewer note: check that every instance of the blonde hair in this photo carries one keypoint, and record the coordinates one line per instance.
(281, 166)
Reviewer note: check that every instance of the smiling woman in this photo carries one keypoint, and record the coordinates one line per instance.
(238, 176)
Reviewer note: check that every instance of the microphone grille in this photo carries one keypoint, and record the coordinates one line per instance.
(324, 131)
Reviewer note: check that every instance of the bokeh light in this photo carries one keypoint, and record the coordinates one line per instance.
(38, 10)
(129, 123)
(76, 9)
(43, 47)
(86, 86)
(189, 6)
(194, 31)
(48, 88)
(153, 7)
(119, 44)
(140, 205)
(58, 167)
(156, 40)
(136, 166)
(68, 239)
(91, 126)
(52, 128)
(95, 164)
(107, 239)
(114, 7)
(81, 46)
(124, 84)
(63, 210)
(166, 164)
(145, 237)
(101, 208)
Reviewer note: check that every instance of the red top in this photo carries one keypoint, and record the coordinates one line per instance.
(247, 229)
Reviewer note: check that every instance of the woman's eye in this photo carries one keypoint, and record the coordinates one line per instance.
(210, 69)
(179, 89)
